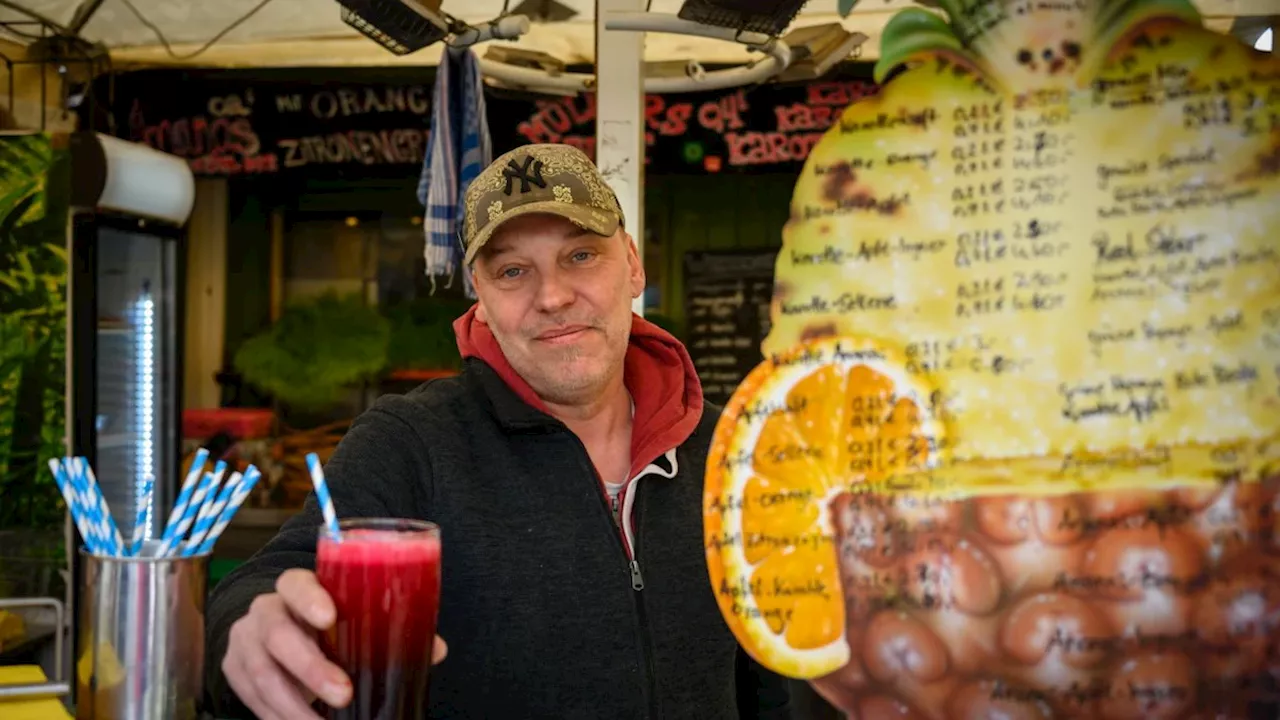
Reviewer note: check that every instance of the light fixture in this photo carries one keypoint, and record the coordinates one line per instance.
(544, 11)
(770, 17)
(108, 173)
(353, 221)
(144, 375)
(1264, 41)
(401, 26)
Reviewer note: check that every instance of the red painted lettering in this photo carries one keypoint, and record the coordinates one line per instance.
(799, 116)
(653, 107)
(676, 121)
(759, 148)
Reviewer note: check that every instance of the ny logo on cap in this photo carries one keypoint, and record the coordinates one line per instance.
(528, 174)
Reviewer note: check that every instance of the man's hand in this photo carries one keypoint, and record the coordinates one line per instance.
(273, 662)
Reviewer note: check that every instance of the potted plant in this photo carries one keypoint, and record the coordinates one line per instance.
(422, 345)
(318, 350)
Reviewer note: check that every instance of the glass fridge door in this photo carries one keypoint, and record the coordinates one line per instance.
(135, 379)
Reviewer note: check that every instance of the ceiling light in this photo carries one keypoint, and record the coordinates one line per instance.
(401, 26)
(546, 11)
(770, 17)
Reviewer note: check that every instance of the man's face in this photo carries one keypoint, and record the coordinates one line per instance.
(558, 300)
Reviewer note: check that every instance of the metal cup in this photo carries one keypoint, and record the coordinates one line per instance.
(141, 637)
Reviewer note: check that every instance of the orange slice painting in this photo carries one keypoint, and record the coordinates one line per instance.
(829, 416)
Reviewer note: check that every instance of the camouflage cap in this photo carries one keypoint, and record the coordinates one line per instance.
(556, 179)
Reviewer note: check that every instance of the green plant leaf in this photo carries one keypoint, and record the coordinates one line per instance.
(844, 7)
(909, 33)
(316, 351)
(422, 334)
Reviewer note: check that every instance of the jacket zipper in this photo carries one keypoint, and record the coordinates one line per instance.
(642, 617)
(649, 688)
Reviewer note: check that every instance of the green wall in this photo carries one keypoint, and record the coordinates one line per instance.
(699, 212)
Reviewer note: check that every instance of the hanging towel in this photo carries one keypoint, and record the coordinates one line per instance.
(457, 150)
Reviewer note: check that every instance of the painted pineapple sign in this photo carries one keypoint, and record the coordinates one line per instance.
(1015, 448)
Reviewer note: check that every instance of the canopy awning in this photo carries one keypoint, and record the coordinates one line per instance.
(293, 33)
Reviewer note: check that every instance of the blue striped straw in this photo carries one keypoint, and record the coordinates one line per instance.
(237, 498)
(74, 506)
(194, 475)
(92, 515)
(113, 543)
(322, 496)
(213, 504)
(87, 508)
(207, 484)
(143, 502)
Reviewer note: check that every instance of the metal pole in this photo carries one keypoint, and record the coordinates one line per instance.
(620, 147)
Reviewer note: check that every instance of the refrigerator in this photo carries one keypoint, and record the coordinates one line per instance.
(126, 240)
(125, 368)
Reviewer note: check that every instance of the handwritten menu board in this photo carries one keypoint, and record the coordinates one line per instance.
(1015, 446)
(727, 296)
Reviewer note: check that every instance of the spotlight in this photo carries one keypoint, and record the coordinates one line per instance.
(401, 26)
(769, 17)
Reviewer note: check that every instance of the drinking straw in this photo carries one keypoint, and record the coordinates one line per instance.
(74, 506)
(188, 516)
(114, 543)
(82, 502)
(95, 512)
(194, 475)
(209, 514)
(237, 498)
(145, 495)
(322, 495)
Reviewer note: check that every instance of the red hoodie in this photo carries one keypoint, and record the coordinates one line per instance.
(659, 374)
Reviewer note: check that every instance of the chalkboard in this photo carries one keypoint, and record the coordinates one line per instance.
(727, 296)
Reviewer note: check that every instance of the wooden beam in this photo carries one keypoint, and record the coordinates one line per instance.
(206, 295)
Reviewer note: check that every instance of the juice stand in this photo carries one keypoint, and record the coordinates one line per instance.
(928, 225)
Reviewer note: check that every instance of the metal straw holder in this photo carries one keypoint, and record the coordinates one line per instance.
(141, 637)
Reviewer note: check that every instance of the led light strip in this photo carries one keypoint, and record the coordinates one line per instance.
(144, 384)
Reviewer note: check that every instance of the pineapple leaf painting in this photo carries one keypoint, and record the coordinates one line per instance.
(1014, 450)
(33, 305)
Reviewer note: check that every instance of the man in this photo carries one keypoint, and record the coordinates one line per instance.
(564, 466)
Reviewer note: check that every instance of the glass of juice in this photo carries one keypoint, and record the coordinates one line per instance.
(384, 578)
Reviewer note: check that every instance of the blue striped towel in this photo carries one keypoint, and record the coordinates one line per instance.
(457, 150)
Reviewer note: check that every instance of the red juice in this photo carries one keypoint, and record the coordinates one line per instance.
(384, 578)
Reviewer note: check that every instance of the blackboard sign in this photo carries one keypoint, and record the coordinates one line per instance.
(727, 296)
(229, 123)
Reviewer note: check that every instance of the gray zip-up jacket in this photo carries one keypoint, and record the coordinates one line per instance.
(549, 610)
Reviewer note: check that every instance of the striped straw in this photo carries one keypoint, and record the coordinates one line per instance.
(233, 503)
(74, 505)
(145, 494)
(94, 519)
(213, 504)
(93, 523)
(322, 496)
(206, 486)
(194, 474)
(114, 543)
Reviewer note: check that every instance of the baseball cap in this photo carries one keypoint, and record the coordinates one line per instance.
(547, 178)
